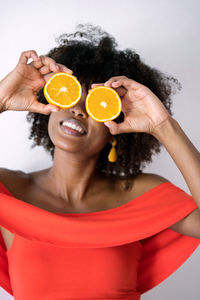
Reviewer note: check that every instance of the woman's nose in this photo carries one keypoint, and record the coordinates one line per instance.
(79, 111)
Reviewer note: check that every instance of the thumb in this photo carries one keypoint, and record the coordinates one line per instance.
(116, 128)
(41, 108)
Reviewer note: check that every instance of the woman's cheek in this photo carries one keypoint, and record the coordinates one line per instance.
(101, 137)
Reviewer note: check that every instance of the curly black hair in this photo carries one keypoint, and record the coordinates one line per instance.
(94, 57)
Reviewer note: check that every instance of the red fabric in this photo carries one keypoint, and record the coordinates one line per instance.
(98, 254)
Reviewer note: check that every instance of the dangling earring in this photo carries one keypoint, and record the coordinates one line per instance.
(112, 156)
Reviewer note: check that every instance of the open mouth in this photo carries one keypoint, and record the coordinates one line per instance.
(73, 128)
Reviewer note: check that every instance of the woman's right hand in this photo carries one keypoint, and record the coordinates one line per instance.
(19, 88)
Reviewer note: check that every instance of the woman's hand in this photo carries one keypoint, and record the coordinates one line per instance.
(19, 88)
(142, 109)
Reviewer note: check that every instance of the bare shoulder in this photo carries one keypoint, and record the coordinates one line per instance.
(147, 181)
(155, 177)
(14, 180)
(4, 172)
(10, 177)
(7, 175)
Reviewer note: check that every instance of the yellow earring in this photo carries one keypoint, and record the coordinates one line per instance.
(112, 156)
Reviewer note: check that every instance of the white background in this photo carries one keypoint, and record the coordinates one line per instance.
(166, 35)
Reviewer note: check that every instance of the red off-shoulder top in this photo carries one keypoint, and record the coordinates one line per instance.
(96, 255)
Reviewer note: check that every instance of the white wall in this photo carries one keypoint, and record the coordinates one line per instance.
(165, 34)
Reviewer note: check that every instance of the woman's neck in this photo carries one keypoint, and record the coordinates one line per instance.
(72, 179)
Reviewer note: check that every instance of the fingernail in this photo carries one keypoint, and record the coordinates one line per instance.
(55, 110)
(107, 124)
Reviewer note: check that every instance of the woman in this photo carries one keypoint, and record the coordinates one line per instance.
(87, 228)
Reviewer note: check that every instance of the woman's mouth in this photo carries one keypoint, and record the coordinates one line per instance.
(69, 127)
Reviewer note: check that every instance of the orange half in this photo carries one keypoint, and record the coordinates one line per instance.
(103, 104)
(63, 90)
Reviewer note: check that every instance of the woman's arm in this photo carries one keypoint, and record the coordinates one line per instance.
(187, 159)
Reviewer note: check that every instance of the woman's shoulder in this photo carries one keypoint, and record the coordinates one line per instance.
(8, 174)
(147, 181)
(13, 180)
(151, 179)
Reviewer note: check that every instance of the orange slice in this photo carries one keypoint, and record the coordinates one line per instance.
(63, 90)
(103, 104)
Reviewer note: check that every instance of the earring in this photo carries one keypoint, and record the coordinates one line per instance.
(112, 156)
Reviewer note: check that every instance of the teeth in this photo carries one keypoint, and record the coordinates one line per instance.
(73, 126)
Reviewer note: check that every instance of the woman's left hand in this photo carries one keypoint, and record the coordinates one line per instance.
(143, 111)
